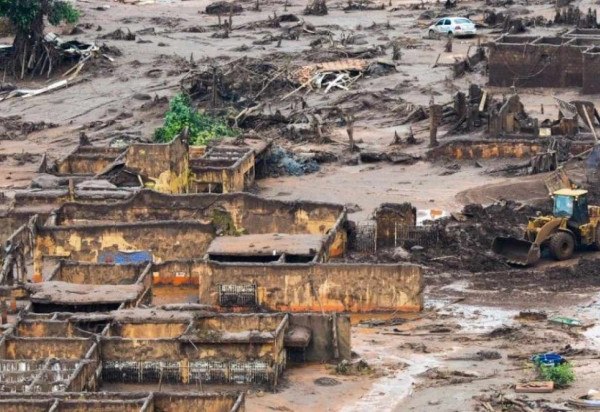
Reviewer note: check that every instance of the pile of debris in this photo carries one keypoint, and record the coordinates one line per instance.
(340, 74)
(241, 83)
(72, 50)
(465, 239)
(572, 15)
(282, 163)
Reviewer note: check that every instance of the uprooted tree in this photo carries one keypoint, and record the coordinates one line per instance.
(27, 18)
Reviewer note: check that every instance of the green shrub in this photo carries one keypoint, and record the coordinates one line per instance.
(202, 128)
(562, 375)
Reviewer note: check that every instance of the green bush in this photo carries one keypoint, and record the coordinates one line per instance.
(562, 375)
(202, 128)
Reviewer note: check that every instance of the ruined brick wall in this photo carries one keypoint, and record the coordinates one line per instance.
(46, 328)
(468, 149)
(389, 217)
(87, 160)
(186, 272)
(171, 350)
(535, 62)
(316, 287)
(97, 274)
(591, 71)
(321, 346)
(164, 240)
(186, 403)
(123, 402)
(247, 212)
(41, 348)
(167, 165)
(232, 179)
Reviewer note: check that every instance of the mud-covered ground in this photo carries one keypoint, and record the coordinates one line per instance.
(422, 363)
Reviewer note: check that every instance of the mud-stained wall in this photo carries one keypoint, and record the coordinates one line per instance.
(147, 330)
(20, 405)
(232, 179)
(147, 350)
(247, 212)
(87, 160)
(45, 328)
(526, 61)
(187, 403)
(591, 71)
(41, 348)
(323, 334)
(177, 272)
(465, 149)
(166, 165)
(97, 274)
(119, 402)
(164, 240)
(320, 287)
(100, 406)
(390, 218)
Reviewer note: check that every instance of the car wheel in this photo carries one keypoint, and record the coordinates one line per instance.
(450, 34)
(432, 34)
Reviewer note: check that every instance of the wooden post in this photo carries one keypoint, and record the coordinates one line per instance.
(460, 104)
(435, 115)
(4, 312)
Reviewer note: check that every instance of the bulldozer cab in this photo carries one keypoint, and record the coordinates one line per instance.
(571, 204)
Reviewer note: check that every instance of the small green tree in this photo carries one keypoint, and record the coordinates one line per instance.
(27, 18)
(562, 375)
(202, 128)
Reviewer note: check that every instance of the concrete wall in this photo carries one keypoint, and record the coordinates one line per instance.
(389, 218)
(166, 165)
(41, 348)
(468, 149)
(165, 402)
(124, 402)
(232, 179)
(247, 212)
(97, 274)
(87, 160)
(321, 347)
(165, 240)
(526, 61)
(591, 71)
(321, 287)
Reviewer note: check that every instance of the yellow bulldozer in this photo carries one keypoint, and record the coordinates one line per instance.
(573, 225)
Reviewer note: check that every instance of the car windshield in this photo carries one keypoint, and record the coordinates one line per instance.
(463, 21)
(563, 206)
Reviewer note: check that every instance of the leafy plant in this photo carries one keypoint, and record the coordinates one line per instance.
(202, 128)
(562, 375)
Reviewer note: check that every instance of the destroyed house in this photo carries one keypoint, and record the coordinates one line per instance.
(176, 168)
(241, 250)
(88, 352)
(84, 287)
(123, 402)
(544, 61)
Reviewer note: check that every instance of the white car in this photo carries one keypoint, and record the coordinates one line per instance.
(452, 26)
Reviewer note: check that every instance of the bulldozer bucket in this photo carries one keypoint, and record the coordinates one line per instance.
(516, 251)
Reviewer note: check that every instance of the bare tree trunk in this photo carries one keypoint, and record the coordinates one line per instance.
(350, 130)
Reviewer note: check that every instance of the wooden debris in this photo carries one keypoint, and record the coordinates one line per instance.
(535, 387)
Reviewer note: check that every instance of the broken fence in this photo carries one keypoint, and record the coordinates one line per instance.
(368, 241)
